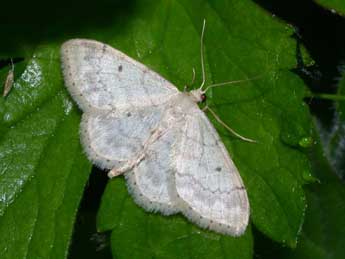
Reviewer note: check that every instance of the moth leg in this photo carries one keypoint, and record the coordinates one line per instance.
(156, 134)
(118, 171)
(206, 108)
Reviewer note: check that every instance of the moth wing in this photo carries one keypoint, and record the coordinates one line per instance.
(112, 139)
(100, 77)
(211, 192)
(151, 183)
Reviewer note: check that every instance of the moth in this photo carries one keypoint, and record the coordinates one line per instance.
(138, 124)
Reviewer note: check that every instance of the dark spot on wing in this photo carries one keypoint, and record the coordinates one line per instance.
(120, 68)
(129, 114)
(218, 169)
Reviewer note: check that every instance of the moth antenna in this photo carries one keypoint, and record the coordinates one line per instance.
(202, 55)
(231, 82)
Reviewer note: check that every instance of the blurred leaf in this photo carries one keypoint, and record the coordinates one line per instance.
(334, 5)
(335, 148)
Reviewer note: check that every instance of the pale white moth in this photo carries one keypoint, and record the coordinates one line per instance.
(9, 81)
(138, 124)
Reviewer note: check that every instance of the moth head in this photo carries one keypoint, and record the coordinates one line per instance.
(203, 98)
(198, 95)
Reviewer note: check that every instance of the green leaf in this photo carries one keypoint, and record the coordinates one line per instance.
(335, 5)
(323, 234)
(269, 109)
(43, 170)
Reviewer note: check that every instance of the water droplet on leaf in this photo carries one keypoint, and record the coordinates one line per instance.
(306, 142)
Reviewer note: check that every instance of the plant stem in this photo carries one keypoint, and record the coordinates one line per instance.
(332, 97)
